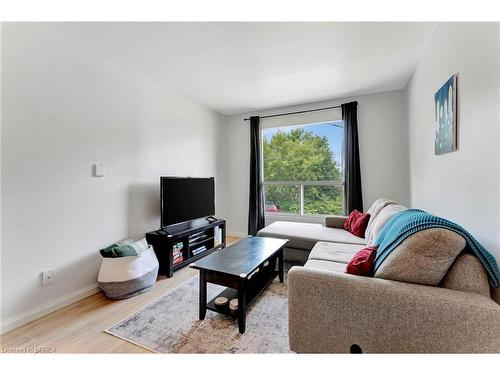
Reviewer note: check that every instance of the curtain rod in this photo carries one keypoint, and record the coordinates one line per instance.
(295, 113)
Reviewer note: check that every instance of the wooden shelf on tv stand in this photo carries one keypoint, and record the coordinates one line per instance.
(163, 241)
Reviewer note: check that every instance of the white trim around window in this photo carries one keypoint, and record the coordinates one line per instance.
(301, 216)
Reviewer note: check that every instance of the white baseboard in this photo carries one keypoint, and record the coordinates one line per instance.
(239, 235)
(47, 308)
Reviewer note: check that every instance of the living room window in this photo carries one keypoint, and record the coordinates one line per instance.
(303, 169)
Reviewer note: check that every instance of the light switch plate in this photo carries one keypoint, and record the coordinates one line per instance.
(99, 170)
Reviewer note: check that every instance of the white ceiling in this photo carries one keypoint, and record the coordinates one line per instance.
(240, 67)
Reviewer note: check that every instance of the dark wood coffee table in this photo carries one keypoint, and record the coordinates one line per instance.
(245, 268)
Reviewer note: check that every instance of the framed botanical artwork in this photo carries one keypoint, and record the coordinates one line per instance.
(445, 117)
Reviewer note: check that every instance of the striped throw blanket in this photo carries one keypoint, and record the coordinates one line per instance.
(408, 222)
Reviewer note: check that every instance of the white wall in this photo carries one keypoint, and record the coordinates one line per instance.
(383, 139)
(463, 186)
(64, 110)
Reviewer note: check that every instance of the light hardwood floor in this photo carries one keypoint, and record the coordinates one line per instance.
(79, 327)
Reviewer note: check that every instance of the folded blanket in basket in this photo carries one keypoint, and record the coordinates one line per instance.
(119, 250)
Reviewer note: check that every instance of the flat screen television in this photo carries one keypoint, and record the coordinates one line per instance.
(186, 198)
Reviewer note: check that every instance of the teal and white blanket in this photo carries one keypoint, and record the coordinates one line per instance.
(408, 222)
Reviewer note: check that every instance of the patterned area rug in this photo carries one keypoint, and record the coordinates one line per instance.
(170, 324)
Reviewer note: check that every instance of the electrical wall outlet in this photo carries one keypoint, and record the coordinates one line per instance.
(99, 170)
(47, 277)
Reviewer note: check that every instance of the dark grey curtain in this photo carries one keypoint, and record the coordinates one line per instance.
(353, 197)
(256, 198)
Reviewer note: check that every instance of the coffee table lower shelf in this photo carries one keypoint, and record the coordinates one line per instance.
(253, 290)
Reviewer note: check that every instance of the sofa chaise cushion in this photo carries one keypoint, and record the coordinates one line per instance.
(334, 252)
(305, 235)
(422, 258)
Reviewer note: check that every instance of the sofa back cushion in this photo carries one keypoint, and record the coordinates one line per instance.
(422, 258)
(467, 274)
(388, 211)
(374, 210)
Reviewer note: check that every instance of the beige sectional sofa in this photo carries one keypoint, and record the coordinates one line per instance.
(334, 312)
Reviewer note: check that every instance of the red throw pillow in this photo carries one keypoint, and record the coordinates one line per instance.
(361, 263)
(356, 223)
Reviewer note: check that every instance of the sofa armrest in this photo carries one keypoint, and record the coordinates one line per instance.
(330, 311)
(336, 221)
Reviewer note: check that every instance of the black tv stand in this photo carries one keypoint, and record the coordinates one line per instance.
(195, 239)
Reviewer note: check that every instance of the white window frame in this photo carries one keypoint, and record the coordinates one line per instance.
(301, 216)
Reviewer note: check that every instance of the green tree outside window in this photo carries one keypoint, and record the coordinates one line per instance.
(301, 155)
